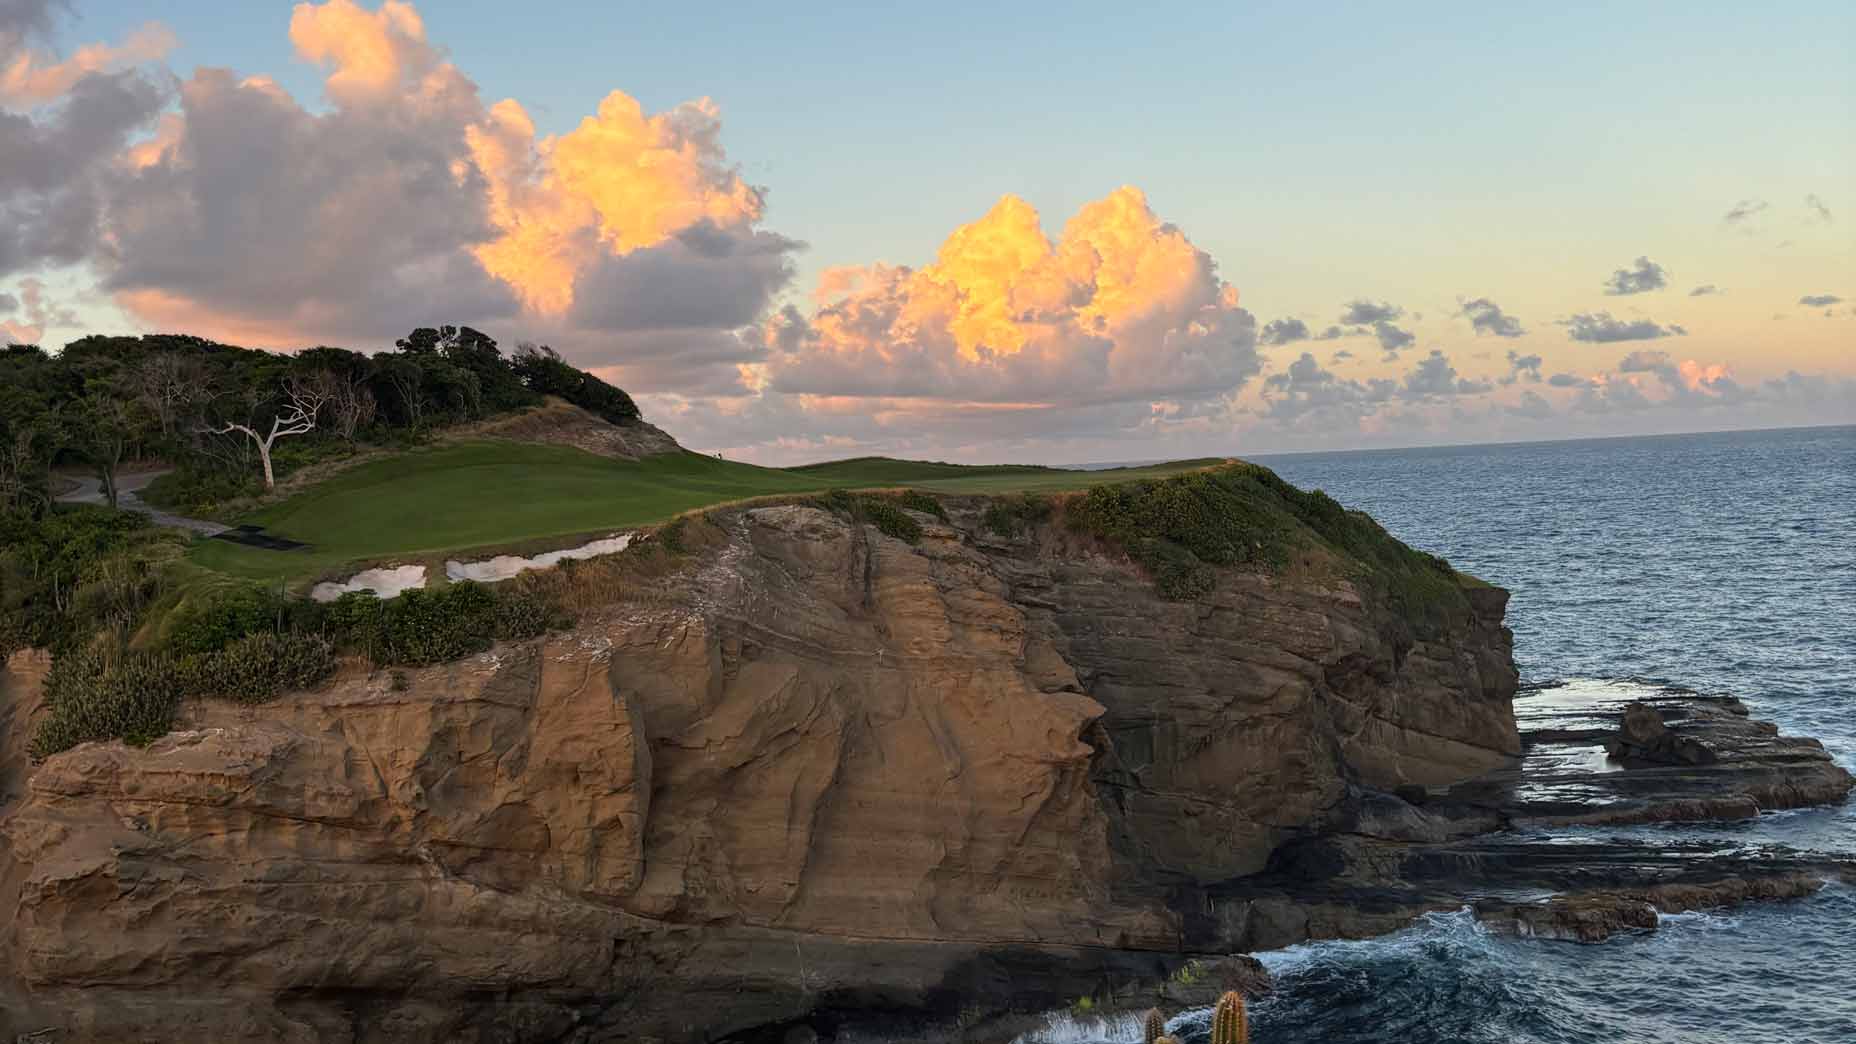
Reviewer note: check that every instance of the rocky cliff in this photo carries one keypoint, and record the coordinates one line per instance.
(819, 772)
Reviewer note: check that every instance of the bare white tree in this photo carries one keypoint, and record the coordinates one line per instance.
(352, 405)
(169, 385)
(304, 398)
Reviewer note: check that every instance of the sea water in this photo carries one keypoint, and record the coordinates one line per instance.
(1722, 562)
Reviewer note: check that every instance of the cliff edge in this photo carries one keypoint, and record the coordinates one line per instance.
(819, 771)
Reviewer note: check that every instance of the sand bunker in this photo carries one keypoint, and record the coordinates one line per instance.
(502, 567)
(387, 583)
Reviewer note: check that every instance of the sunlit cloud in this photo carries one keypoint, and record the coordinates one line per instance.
(244, 214)
(30, 77)
(1119, 307)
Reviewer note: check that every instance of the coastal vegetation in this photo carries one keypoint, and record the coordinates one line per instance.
(387, 459)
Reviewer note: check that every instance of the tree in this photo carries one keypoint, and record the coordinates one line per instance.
(305, 395)
(104, 427)
(27, 444)
(542, 370)
(352, 406)
(407, 377)
(168, 385)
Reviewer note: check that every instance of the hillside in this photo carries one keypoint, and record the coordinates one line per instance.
(545, 477)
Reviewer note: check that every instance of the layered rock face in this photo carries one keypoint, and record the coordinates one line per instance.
(820, 771)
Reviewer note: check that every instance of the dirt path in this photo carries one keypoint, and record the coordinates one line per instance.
(89, 490)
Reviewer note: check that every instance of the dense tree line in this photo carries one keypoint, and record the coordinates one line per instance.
(229, 419)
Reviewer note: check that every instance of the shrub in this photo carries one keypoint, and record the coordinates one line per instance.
(426, 626)
(199, 488)
(259, 667)
(216, 621)
(100, 694)
(916, 500)
(75, 572)
(879, 511)
(891, 520)
(1010, 516)
(1179, 527)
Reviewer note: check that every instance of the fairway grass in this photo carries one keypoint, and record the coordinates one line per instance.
(467, 496)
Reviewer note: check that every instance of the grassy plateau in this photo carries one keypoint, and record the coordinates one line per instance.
(476, 496)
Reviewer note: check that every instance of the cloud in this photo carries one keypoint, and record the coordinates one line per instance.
(1304, 388)
(1434, 377)
(1643, 276)
(1744, 211)
(1601, 328)
(29, 77)
(1568, 380)
(38, 313)
(1820, 300)
(1391, 337)
(1706, 290)
(1278, 332)
(403, 200)
(1648, 379)
(1362, 312)
(1522, 368)
(1121, 307)
(55, 152)
(1815, 210)
(1487, 317)
(1532, 405)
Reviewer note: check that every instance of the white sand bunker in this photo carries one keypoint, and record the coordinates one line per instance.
(502, 567)
(387, 583)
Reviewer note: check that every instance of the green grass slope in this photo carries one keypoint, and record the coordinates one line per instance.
(496, 494)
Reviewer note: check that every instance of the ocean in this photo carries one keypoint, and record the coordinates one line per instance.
(1725, 563)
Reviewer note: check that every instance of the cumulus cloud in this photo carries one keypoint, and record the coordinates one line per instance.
(1278, 332)
(1820, 300)
(1522, 368)
(30, 77)
(1487, 317)
(630, 241)
(1643, 276)
(1567, 380)
(1706, 290)
(1601, 328)
(1434, 377)
(1532, 405)
(1120, 307)
(57, 145)
(1816, 211)
(1391, 337)
(37, 313)
(1362, 312)
(1305, 388)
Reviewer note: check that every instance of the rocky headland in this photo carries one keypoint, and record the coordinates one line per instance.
(822, 777)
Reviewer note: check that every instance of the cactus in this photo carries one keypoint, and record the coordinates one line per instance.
(1155, 1027)
(1230, 1023)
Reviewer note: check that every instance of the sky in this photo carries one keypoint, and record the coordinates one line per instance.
(1069, 234)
